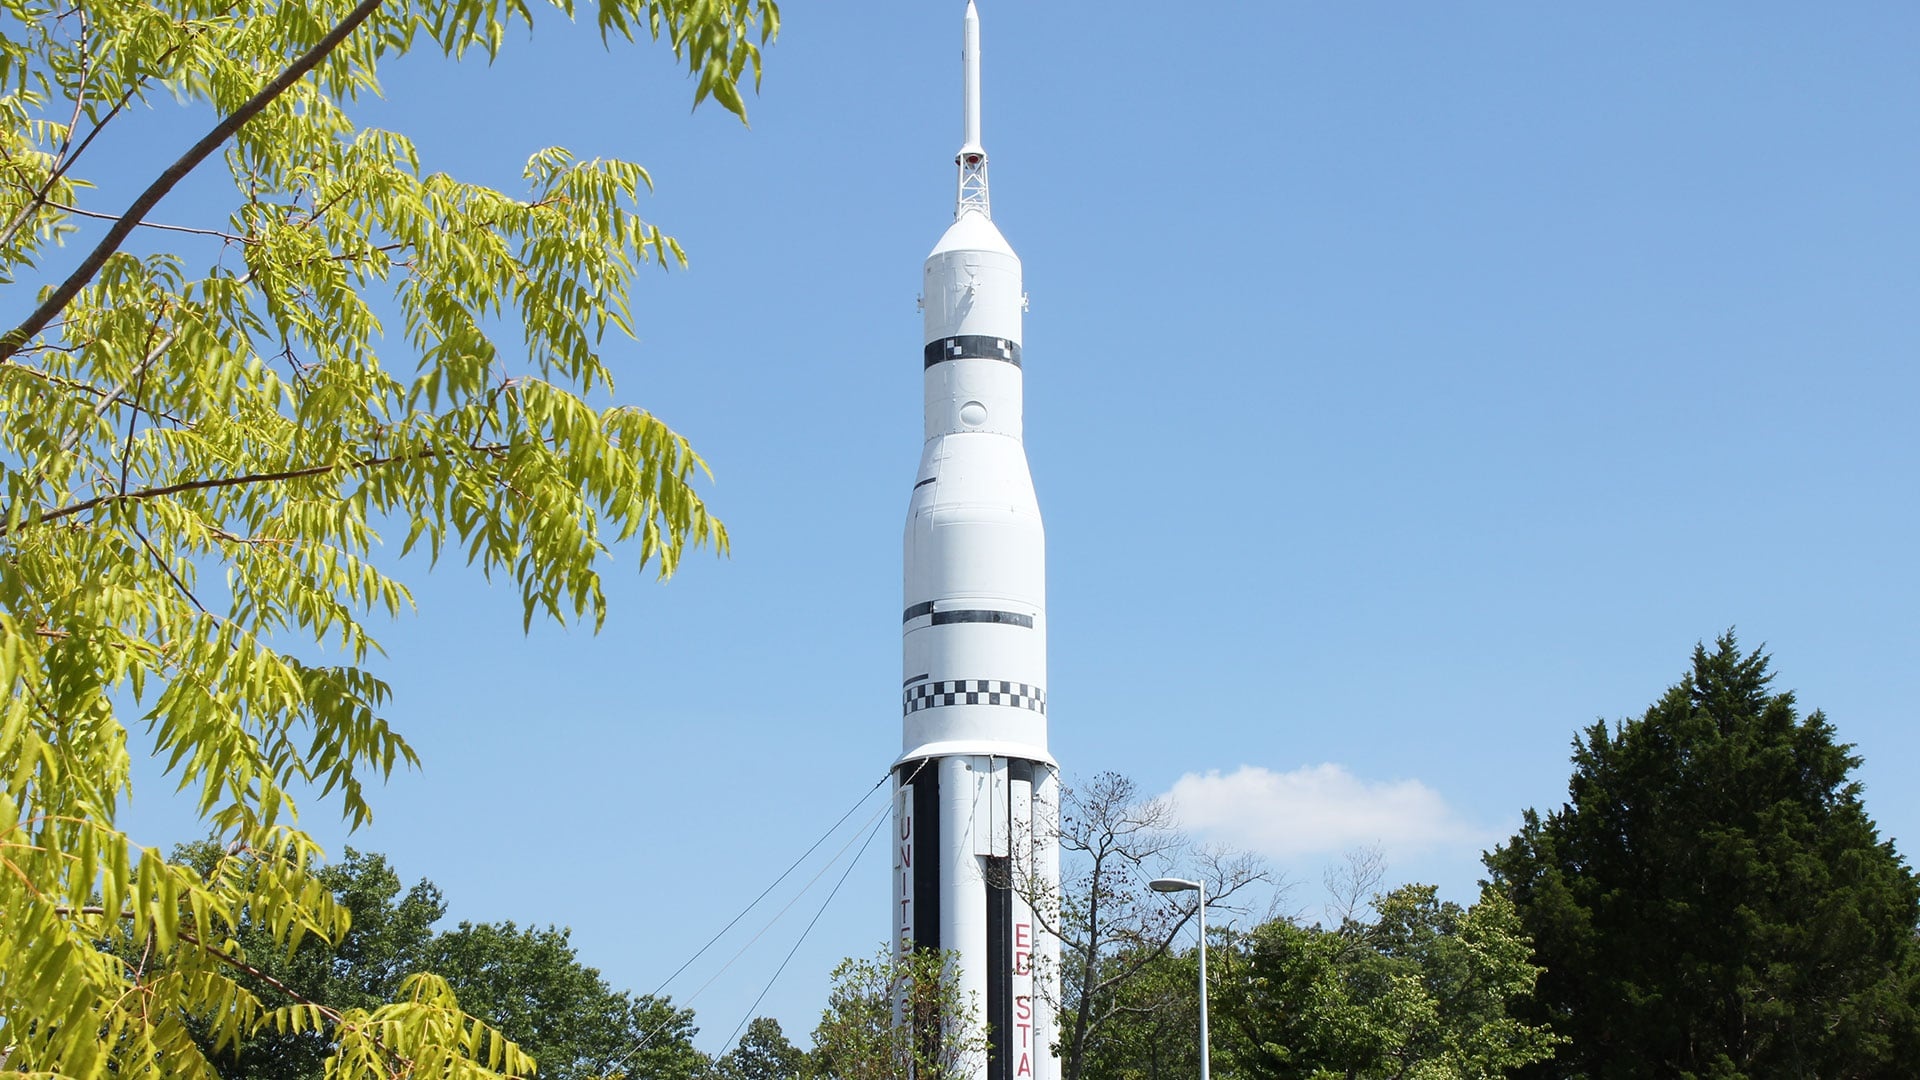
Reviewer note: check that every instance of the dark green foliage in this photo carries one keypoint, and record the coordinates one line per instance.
(763, 1053)
(1713, 899)
(526, 982)
(1154, 1032)
(389, 930)
(530, 985)
(1425, 990)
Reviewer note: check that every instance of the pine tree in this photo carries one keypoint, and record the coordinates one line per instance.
(1713, 900)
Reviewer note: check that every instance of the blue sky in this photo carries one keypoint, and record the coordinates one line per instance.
(1407, 387)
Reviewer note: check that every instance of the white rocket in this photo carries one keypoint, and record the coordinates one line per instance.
(976, 793)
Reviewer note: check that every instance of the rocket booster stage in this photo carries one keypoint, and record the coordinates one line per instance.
(976, 793)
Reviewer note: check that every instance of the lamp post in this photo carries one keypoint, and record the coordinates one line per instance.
(1174, 884)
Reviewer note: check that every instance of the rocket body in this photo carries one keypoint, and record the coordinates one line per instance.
(977, 794)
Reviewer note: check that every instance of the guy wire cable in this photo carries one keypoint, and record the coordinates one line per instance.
(649, 1036)
(822, 872)
(824, 904)
(776, 884)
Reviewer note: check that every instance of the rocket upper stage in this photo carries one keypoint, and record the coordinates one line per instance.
(974, 621)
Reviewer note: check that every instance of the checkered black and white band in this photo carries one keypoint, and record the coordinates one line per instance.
(933, 695)
(972, 347)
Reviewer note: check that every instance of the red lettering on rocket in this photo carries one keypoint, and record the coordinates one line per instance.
(906, 882)
(1023, 1022)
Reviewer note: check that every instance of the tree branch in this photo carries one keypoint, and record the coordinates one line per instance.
(242, 480)
(333, 1015)
(233, 962)
(98, 216)
(91, 390)
(65, 161)
(161, 562)
(57, 301)
(249, 969)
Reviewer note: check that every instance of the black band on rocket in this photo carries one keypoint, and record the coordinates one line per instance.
(972, 347)
(1005, 618)
(941, 618)
(933, 695)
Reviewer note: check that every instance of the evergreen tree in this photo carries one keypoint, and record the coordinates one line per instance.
(1713, 899)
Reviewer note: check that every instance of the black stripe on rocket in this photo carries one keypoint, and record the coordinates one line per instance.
(971, 347)
(999, 875)
(925, 852)
(966, 615)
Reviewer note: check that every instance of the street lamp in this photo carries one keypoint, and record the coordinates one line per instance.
(1174, 884)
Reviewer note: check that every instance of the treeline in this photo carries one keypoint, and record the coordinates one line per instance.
(528, 982)
(530, 985)
(1414, 986)
(1712, 901)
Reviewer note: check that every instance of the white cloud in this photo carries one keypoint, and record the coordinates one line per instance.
(1320, 810)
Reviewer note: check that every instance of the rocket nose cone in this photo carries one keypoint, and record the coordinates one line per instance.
(972, 231)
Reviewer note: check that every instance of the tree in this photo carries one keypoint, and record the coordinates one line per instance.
(1426, 989)
(763, 1053)
(1713, 899)
(529, 984)
(935, 1037)
(197, 449)
(1113, 930)
(1153, 1033)
(361, 969)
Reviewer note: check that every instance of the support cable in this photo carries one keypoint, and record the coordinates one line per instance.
(824, 904)
(648, 1038)
(835, 827)
(822, 872)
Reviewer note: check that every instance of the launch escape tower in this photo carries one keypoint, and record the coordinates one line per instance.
(976, 807)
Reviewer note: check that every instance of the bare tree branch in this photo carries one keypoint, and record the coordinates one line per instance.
(98, 216)
(1112, 928)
